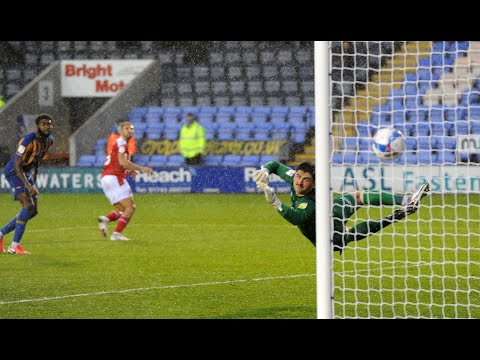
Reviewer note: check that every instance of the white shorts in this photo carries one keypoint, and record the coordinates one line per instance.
(113, 191)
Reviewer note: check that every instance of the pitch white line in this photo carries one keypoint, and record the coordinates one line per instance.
(153, 288)
(156, 225)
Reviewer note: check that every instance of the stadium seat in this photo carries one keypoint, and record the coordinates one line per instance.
(350, 144)
(86, 161)
(207, 110)
(266, 158)
(261, 135)
(225, 134)
(231, 160)
(100, 161)
(426, 157)
(175, 160)
(157, 160)
(213, 160)
(243, 134)
(243, 121)
(250, 160)
(171, 134)
(142, 160)
(446, 157)
(281, 134)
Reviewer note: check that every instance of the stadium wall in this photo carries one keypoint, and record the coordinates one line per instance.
(444, 179)
(405, 179)
(76, 180)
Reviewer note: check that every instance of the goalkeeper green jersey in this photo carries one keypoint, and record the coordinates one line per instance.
(302, 210)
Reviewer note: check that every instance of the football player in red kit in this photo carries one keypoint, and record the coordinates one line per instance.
(116, 187)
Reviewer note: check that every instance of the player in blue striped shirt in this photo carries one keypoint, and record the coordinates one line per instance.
(21, 173)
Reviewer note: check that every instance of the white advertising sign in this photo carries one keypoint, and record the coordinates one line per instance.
(98, 78)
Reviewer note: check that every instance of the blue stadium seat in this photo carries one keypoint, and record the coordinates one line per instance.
(243, 120)
(475, 127)
(426, 157)
(154, 130)
(172, 110)
(261, 135)
(189, 109)
(223, 118)
(175, 160)
(205, 118)
(207, 110)
(410, 157)
(250, 160)
(372, 158)
(231, 160)
(461, 128)
(210, 134)
(225, 134)
(170, 134)
(446, 157)
(349, 157)
(364, 143)
(86, 160)
(141, 159)
(410, 143)
(157, 160)
(337, 158)
(266, 158)
(422, 129)
(280, 134)
(243, 134)
(172, 124)
(244, 110)
(447, 142)
(100, 161)
(350, 144)
(424, 143)
(363, 130)
(213, 160)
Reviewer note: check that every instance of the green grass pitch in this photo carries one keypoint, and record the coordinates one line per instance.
(191, 256)
(427, 266)
(231, 256)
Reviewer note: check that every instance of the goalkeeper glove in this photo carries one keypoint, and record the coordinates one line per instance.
(261, 176)
(270, 196)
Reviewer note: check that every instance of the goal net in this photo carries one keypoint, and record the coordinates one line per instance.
(426, 265)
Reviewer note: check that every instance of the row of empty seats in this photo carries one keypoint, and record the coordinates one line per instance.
(178, 160)
(422, 157)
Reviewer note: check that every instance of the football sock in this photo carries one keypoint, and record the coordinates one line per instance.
(9, 227)
(22, 220)
(367, 228)
(114, 215)
(122, 223)
(381, 198)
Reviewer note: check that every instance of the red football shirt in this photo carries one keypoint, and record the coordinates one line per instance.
(112, 166)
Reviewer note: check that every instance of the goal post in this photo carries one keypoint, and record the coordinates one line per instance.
(426, 265)
(322, 180)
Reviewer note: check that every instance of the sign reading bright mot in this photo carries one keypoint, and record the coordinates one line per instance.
(94, 78)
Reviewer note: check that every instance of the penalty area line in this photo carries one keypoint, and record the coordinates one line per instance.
(153, 288)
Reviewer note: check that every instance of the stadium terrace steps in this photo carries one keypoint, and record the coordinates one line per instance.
(308, 154)
(389, 77)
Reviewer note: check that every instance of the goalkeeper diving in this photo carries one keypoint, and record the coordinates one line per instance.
(301, 212)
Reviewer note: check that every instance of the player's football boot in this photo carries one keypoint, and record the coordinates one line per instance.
(419, 195)
(103, 225)
(18, 250)
(118, 236)
(399, 214)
